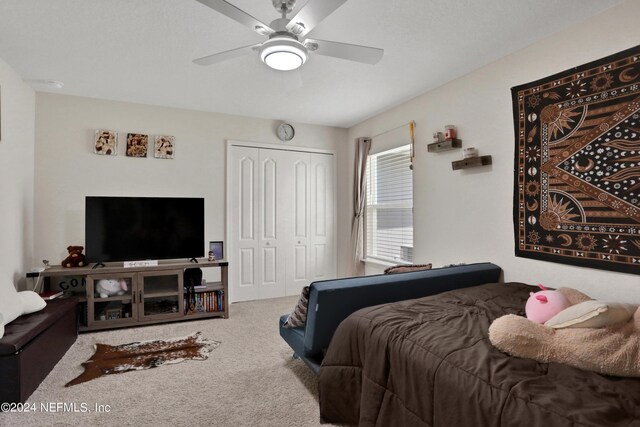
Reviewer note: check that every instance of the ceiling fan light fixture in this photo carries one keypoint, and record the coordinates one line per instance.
(283, 54)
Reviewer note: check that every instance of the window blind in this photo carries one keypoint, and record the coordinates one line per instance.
(389, 206)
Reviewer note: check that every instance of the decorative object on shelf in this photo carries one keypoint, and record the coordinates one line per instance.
(285, 132)
(141, 355)
(444, 141)
(75, 258)
(577, 191)
(106, 142)
(113, 314)
(137, 145)
(471, 162)
(470, 152)
(217, 248)
(164, 147)
(449, 132)
(107, 287)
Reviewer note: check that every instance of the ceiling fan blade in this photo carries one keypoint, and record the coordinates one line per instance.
(238, 15)
(311, 14)
(226, 55)
(351, 52)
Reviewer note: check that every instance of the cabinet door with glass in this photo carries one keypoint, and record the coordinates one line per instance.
(160, 295)
(111, 299)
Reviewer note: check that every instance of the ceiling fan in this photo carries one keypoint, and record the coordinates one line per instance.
(284, 50)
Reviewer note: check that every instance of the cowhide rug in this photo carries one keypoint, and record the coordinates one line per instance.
(135, 356)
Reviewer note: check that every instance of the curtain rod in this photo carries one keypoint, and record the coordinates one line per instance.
(397, 127)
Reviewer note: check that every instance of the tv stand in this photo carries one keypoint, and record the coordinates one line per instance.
(145, 295)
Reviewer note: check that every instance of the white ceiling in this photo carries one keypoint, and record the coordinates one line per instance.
(141, 51)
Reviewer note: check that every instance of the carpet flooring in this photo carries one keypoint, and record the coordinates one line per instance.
(249, 380)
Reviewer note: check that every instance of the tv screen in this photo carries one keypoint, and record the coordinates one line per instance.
(143, 228)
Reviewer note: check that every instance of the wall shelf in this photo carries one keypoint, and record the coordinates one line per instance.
(471, 162)
(446, 145)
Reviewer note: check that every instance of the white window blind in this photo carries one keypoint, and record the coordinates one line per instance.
(389, 206)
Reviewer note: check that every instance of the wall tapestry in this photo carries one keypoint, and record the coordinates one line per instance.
(577, 165)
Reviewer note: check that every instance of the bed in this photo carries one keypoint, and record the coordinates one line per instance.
(429, 362)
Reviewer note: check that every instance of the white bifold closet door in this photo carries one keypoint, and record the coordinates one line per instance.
(281, 221)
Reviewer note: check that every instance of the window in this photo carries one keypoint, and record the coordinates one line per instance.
(389, 206)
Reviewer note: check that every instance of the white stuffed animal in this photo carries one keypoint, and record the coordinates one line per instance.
(108, 287)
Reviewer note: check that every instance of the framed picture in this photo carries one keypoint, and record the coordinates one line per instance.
(113, 314)
(106, 142)
(137, 145)
(216, 249)
(164, 147)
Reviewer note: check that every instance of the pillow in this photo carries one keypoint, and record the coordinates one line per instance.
(592, 314)
(14, 304)
(298, 317)
(10, 304)
(405, 268)
(31, 302)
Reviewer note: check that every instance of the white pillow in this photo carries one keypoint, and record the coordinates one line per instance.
(592, 314)
(14, 304)
(10, 304)
(31, 302)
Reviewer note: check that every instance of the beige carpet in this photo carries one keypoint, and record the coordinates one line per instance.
(249, 380)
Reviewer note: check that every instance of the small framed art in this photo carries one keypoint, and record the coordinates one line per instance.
(137, 145)
(164, 147)
(106, 142)
(216, 250)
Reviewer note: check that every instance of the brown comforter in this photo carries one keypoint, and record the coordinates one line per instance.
(429, 362)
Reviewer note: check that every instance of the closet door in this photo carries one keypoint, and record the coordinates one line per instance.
(273, 207)
(322, 237)
(281, 221)
(244, 233)
(298, 268)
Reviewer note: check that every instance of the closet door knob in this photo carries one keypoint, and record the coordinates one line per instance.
(268, 243)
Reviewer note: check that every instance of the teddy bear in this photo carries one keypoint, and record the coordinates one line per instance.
(75, 258)
(108, 287)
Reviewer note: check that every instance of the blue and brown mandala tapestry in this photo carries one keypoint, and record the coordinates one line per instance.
(577, 165)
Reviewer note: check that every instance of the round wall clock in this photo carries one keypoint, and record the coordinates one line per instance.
(285, 132)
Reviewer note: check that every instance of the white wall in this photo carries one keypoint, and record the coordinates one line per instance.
(17, 112)
(67, 170)
(466, 216)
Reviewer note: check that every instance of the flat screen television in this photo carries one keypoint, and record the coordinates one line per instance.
(143, 228)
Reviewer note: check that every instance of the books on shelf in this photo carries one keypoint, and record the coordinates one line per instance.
(49, 295)
(204, 302)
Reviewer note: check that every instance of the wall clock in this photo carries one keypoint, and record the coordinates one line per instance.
(285, 132)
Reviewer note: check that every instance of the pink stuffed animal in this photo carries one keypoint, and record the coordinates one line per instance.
(543, 305)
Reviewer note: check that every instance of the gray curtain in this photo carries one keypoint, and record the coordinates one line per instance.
(363, 145)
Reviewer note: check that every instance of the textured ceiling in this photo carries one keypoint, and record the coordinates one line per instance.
(141, 51)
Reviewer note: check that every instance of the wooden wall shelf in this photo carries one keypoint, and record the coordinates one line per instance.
(446, 145)
(471, 162)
